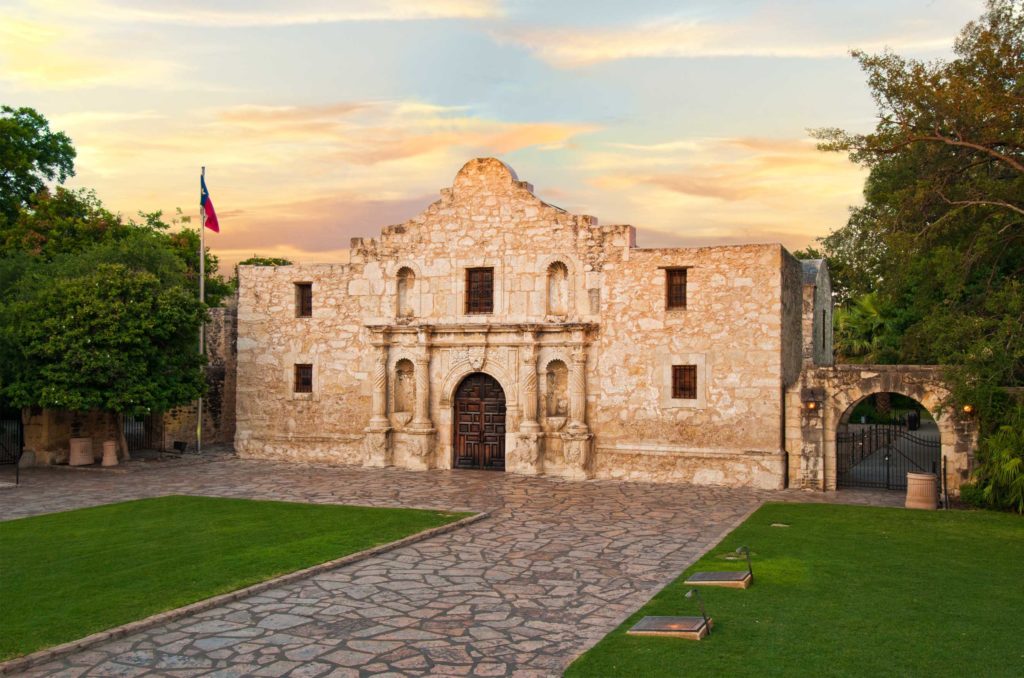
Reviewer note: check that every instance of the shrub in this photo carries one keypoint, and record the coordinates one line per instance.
(1000, 474)
(972, 495)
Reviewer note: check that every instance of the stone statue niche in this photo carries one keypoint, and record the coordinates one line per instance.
(557, 389)
(406, 285)
(405, 389)
(558, 289)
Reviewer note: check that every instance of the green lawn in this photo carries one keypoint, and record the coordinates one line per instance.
(846, 591)
(66, 575)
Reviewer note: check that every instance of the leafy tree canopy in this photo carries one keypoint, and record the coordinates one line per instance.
(30, 155)
(939, 242)
(256, 260)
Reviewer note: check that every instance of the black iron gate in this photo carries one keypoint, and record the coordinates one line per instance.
(142, 433)
(881, 455)
(12, 436)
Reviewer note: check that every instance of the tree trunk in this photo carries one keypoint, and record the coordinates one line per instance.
(883, 404)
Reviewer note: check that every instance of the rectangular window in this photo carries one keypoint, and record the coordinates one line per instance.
(675, 288)
(303, 300)
(303, 378)
(479, 290)
(684, 382)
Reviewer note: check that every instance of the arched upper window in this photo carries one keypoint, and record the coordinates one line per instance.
(406, 287)
(558, 289)
(405, 386)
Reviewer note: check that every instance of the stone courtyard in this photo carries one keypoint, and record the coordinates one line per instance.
(556, 566)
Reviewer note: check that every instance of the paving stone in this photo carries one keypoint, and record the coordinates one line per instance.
(556, 566)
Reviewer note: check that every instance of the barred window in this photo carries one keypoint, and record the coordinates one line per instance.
(303, 300)
(675, 288)
(684, 382)
(479, 290)
(303, 378)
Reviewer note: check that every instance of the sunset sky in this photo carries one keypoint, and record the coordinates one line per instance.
(319, 121)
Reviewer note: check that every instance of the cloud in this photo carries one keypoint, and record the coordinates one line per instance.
(255, 13)
(39, 55)
(775, 32)
(723, 190)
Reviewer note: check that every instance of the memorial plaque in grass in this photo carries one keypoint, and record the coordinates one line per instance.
(66, 575)
(845, 591)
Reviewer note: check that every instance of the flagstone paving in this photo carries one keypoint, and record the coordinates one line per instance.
(556, 566)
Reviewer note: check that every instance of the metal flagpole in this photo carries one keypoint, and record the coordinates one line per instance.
(202, 299)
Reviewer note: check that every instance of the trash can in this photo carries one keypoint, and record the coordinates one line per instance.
(921, 491)
(81, 452)
(110, 453)
(913, 420)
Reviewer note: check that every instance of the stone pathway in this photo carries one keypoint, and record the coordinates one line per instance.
(556, 566)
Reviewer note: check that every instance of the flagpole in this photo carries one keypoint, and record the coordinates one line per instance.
(202, 300)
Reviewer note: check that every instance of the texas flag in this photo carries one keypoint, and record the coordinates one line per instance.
(209, 215)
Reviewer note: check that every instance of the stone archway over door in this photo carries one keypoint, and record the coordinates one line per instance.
(479, 430)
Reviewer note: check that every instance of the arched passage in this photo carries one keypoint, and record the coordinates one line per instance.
(881, 438)
(478, 431)
(836, 390)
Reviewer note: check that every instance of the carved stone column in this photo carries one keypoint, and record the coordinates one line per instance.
(421, 412)
(528, 381)
(415, 450)
(379, 401)
(577, 440)
(377, 439)
(578, 390)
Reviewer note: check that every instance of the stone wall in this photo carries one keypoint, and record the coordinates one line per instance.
(836, 390)
(572, 298)
(219, 406)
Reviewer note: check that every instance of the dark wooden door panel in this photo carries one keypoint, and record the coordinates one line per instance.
(479, 423)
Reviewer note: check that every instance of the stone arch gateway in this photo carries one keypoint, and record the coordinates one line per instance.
(837, 389)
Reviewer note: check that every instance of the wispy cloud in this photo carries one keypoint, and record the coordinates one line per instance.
(275, 13)
(775, 32)
(41, 55)
(724, 189)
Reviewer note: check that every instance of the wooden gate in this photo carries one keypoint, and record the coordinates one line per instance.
(479, 423)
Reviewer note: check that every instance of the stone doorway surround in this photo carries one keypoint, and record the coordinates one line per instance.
(516, 356)
(478, 427)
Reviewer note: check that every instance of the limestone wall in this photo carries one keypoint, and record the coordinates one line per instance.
(567, 292)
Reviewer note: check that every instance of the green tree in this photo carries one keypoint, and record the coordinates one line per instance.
(940, 239)
(30, 155)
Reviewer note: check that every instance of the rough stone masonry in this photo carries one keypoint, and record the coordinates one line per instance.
(594, 369)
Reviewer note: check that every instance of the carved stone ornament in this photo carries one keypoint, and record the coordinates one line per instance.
(377, 449)
(576, 449)
(474, 355)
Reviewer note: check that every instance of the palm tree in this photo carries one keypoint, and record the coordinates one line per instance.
(862, 330)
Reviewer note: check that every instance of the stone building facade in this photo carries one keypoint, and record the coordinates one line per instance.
(497, 331)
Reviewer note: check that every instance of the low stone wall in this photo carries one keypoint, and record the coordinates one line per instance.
(670, 464)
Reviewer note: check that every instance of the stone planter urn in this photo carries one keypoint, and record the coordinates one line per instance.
(921, 491)
(81, 452)
(110, 453)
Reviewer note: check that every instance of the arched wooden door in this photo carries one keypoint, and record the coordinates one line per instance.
(479, 423)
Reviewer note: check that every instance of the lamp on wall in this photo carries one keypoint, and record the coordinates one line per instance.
(812, 398)
(968, 409)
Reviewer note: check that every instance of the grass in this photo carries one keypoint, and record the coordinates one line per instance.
(845, 591)
(66, 575)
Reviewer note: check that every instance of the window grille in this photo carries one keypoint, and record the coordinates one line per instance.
(684, 382)
(303, 300)
(479, 290)
(303, 378)
(675, 279)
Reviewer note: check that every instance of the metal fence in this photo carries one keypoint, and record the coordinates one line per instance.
(12, 437)
(881, 455)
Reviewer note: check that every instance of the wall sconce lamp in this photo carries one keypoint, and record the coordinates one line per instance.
(812, 398)
(968, 409)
